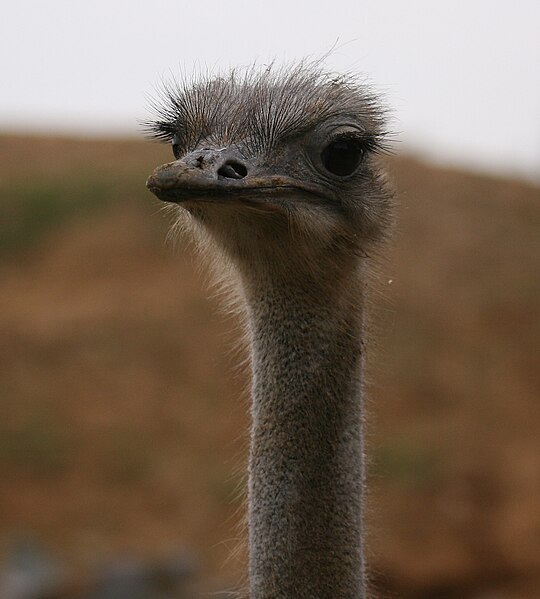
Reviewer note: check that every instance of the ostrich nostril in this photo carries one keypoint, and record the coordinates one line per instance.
(232, 170)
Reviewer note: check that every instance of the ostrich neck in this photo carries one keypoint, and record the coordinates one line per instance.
(306, 465)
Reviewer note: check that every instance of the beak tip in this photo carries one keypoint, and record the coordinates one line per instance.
(151, 184)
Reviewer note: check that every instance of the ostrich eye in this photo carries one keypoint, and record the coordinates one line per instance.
(175, 142)
(342, 157)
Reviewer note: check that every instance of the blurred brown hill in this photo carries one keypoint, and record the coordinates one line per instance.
(123, 409)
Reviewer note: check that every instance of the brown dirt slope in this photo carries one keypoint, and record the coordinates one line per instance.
(123, 413)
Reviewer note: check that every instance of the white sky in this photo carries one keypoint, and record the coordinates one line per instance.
(462, 77)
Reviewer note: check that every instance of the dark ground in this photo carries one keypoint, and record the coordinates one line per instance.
(124, 418)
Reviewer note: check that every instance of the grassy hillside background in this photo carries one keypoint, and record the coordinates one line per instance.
(124, 413)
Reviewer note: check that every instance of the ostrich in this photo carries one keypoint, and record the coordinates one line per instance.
(274, 175)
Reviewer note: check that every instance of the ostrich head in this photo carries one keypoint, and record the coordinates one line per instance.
(275, 168)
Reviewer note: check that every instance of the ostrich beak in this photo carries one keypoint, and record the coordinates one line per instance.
(202, 173)
(221, 175)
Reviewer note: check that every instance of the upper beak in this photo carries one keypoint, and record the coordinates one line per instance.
(218, 173)
(203, 172)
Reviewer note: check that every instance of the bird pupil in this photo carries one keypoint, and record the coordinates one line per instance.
(342, 157)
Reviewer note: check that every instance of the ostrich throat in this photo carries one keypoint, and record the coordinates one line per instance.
(306, 465)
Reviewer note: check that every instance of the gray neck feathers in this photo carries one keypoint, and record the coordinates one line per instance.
(306, 460)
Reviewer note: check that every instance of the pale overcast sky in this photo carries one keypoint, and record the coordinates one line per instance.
(462, 77)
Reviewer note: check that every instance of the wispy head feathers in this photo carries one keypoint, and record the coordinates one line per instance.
(259, 108)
